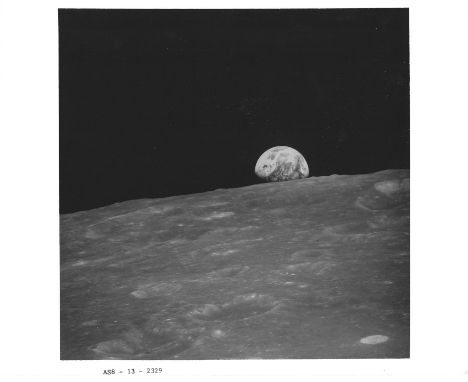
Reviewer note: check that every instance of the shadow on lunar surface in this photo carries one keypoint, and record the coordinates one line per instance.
(135, 344)
(239, 308)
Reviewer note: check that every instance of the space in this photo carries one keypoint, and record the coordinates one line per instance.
(155, 103)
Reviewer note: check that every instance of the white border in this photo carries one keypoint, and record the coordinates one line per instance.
(29, 195)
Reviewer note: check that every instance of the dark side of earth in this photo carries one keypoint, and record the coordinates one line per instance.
(310, 268)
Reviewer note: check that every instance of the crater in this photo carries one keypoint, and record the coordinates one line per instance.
(156, 289)
(160, 209)
(134, 344)
(378, 202)
(113, 349)
(163, 343)
(216, 215)
(90, 323)
(92, 234)
(385, 195)
(319, 267)
(390, 187)
(374, 339)
(308, 254)
(350, 228)
(225, 253)
(229, 271)
(80, 263)
(243, 306)
(387, 221)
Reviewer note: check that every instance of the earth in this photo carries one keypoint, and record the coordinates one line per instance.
(281, 163)
(309, 268)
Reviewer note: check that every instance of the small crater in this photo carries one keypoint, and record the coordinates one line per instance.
(277, 211)
(308, 254)
(390, 187)
(374, 339)
(175, 212)
(90, 323)
(113, 349)
(361, 202)
(134, 338)
(160, 209)
(319, 267)
(216, 215)
(240, 307)
(382, 222)
(217, 333)
(295, 284)
(167, 343)
(225, 253)
(80, 263)
(249, 228)
(349, 229)
(247, 241)
(228, 272)
(91, 234)
(379, 202)
(156, 289)
(170, 349)
(178, 241)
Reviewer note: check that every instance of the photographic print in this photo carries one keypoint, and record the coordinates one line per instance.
(234, 184)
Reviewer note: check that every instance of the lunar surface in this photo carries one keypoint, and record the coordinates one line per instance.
(281, 163)
(311, 268)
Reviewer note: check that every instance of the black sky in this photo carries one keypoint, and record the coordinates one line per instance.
(157, 103)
